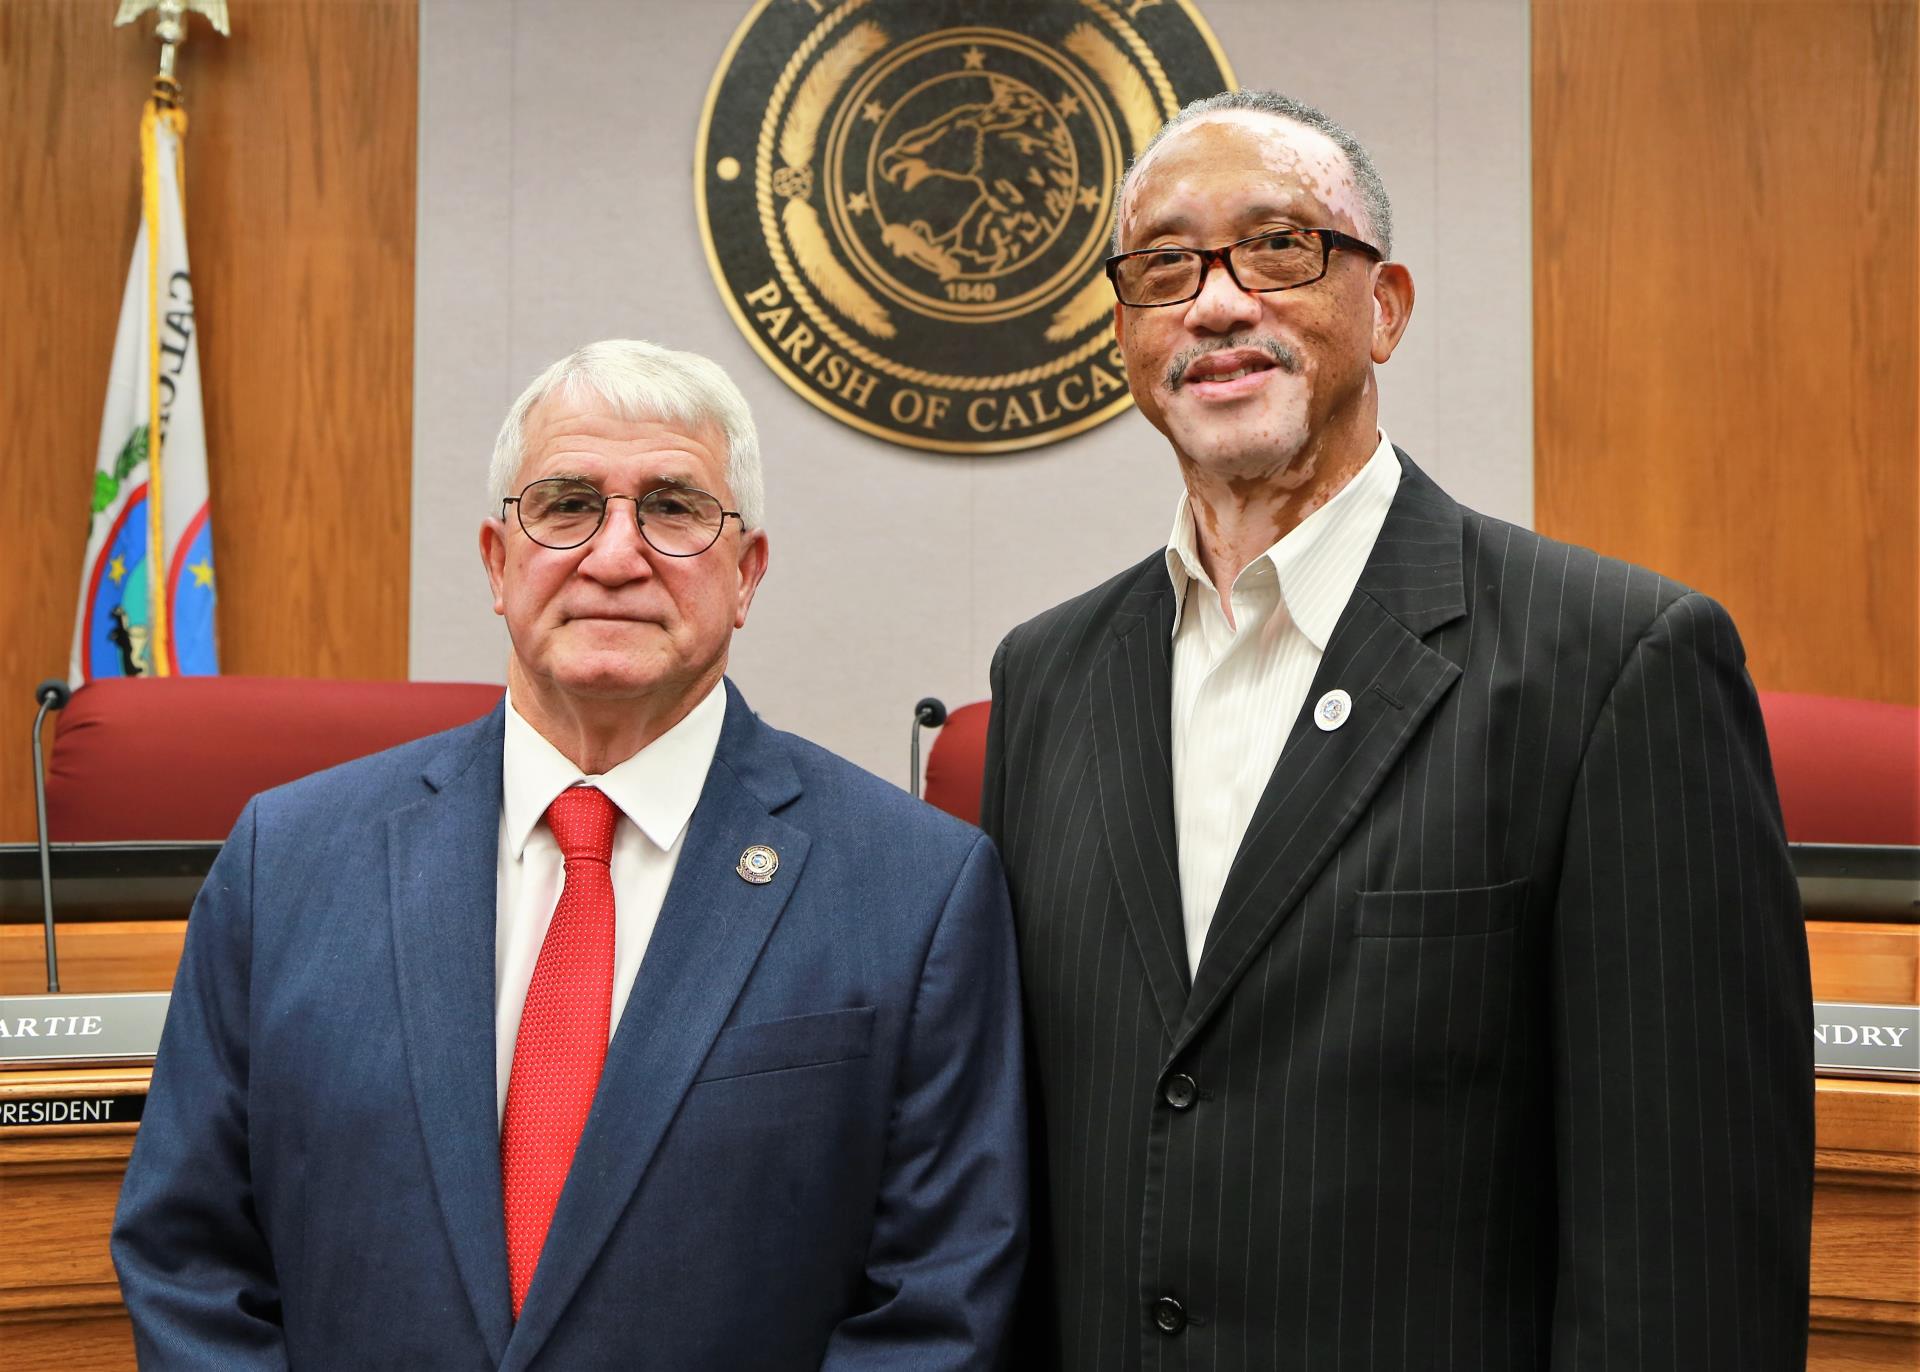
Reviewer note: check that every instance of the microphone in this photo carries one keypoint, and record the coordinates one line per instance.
(52, 694)
(930, 713)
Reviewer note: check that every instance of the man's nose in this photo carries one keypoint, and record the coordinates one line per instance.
(1222, 304)
(618, 552)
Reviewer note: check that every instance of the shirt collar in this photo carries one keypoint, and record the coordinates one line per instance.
(1318, 562)
(657, 788)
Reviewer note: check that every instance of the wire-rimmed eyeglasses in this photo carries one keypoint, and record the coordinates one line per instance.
(1277, 260)
(564, 512)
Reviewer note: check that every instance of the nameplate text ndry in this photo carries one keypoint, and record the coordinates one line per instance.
(1856, 1040)
(90, 1030)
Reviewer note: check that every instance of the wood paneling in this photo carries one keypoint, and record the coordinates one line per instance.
(1725, 316)
(300, 205)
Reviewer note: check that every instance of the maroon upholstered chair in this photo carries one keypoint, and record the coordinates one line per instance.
(178, 757)
(1848, 770)
(957, 762)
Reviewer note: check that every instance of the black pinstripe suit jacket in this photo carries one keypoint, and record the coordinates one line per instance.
(1500, 1043)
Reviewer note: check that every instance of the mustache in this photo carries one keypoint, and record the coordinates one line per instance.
(1284, 357)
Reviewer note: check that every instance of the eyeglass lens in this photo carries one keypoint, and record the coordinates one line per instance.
(560, 512)
(1272, 262)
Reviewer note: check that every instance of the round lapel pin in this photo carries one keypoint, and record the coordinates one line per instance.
(758, 864)
(1333, 709)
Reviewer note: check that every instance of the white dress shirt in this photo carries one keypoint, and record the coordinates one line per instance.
(655, 791)
(1238, 688)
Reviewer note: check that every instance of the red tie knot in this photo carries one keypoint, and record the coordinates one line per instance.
(582, 818)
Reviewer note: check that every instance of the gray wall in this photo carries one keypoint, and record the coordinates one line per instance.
(555, 174)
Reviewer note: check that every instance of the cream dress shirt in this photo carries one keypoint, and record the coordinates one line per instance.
(655, 791)
(1238, 689)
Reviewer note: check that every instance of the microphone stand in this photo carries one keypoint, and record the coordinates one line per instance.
(52, 695)
(932, 713)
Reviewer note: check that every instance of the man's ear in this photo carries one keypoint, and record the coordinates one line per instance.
(753, 566)
(493, 556)
(1392, 307)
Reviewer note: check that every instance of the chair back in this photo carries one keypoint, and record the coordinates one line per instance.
(1848, 770)
(179, 757)
(957, 762)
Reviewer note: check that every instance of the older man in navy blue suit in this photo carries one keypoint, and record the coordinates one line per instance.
(616, 1029)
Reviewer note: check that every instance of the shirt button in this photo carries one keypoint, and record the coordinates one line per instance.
(1180, 1091)
(1169, 1316)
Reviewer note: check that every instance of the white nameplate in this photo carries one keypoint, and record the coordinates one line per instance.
(1854, 1040)
(37, 1030)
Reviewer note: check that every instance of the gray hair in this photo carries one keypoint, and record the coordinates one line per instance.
(638, 380)
(1373, 191)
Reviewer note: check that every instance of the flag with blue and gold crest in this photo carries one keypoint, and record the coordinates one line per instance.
(147, 587)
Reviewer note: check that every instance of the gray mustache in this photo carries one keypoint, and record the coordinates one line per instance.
(1285, 358)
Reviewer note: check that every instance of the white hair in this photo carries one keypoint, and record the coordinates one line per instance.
(1376, 209)
(637, 380)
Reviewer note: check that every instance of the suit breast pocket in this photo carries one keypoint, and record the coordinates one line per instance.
(778, 1045)
(1455, 913)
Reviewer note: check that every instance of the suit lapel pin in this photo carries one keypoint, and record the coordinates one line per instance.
(758, 864)
(1332, 711)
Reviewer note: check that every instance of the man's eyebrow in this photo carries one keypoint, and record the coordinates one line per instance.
(652, 482)
(1166, 224)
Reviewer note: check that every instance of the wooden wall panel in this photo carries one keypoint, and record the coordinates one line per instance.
(300, 205)
(1726, 310)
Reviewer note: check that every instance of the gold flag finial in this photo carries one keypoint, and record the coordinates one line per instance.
(170, 25)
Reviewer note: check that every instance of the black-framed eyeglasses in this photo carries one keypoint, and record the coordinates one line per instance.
(564, 512)
(1277, 260)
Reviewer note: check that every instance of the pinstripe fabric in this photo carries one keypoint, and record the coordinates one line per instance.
(1502, 1030)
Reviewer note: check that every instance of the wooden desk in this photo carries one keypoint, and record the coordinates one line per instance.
(60, 1310)
(125, 955)
(59, 1303)
(1866, 1227)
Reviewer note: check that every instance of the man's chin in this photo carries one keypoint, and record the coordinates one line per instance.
(1229, 452)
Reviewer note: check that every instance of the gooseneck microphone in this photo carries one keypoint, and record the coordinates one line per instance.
(52, 694)
(930, 713)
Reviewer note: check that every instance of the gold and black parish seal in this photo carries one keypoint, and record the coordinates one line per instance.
(906, 203)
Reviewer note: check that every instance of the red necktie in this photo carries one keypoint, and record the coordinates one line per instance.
(562, 1043)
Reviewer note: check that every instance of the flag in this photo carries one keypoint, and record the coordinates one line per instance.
(146, 587)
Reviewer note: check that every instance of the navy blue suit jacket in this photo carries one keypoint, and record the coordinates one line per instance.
(807, 1148)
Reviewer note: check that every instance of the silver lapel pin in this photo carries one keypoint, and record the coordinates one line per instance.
(1333, 709)
(758, 864)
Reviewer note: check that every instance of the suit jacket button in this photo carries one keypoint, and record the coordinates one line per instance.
(1169, 1316)
(1180, 1091)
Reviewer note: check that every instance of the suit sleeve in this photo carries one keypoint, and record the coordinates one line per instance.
(1683, 1074)
(193, 1261)
(950, 1229)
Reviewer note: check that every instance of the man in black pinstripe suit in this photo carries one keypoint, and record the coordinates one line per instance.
(1414, 970)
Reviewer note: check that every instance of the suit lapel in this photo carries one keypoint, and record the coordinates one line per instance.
(1411, 586)
(711, 929)
(441, 883)
(1131, 703)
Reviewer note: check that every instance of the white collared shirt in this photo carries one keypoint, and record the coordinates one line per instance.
(1237, 689)
(655, 791)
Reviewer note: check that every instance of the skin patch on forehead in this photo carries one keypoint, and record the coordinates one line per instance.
(1301, 159)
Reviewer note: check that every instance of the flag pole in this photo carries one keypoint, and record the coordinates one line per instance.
(170, 27)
